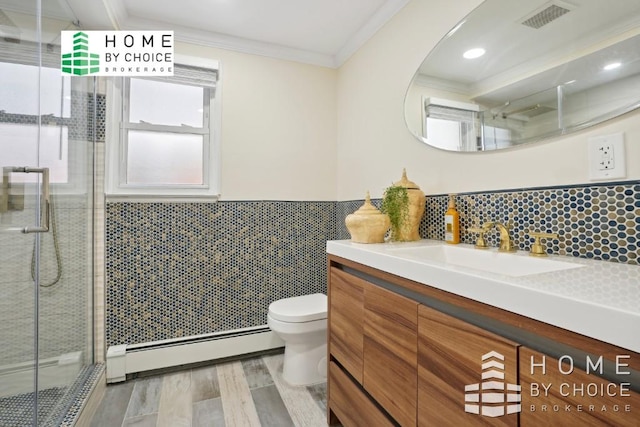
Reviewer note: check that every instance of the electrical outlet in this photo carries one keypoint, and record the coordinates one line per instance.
(607, 157)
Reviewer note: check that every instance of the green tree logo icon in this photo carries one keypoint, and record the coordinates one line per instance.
(80, 62)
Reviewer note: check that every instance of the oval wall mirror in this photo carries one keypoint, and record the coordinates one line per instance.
(518, 71)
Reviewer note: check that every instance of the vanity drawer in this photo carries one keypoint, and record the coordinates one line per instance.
(350, 404)
(452, 356)
(346, 321)
(391, 352)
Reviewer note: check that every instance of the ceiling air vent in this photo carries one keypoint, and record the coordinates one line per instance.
(546, 15)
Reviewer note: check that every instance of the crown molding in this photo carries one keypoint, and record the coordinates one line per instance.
(377, 21)
(112, 14)
(236, 44)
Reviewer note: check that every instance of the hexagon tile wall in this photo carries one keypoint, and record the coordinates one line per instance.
(598, 221)
(180, 269)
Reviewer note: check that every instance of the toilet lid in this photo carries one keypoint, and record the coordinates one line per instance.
(304, 308)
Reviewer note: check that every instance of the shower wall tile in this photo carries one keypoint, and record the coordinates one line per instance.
(88, 115)
(181, 269)
(83, 123)
(98, 256)
(63, 305)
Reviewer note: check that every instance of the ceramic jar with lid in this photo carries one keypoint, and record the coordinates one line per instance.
(367, 224)
(409, 231)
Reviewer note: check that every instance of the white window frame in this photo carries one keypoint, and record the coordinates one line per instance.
(116, 146)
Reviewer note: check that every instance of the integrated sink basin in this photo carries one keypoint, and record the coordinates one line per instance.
(489, 260)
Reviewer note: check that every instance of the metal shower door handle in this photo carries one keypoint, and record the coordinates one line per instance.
(44, 224)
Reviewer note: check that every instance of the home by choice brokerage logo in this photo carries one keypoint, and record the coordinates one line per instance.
(572, 389)
(493, 397)
(117, 53)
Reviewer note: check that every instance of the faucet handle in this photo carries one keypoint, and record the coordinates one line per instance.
(480, 243)
(537, 248)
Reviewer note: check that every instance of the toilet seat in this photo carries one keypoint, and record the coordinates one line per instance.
(299, 329)
(305, 308)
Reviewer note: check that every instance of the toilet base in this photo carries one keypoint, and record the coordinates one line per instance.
(304, 364)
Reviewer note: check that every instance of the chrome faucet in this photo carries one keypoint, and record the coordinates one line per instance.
(506, 244)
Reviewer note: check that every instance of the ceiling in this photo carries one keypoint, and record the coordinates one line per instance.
(323, 32)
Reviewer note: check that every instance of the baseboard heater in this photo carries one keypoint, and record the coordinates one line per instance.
(128, 359)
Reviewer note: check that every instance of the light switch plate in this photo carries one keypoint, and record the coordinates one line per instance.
(607, 158)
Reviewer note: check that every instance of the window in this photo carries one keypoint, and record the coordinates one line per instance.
(35, 119)
(451, 125)
(164, 137)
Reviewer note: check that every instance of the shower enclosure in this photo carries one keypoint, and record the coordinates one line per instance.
(47, 139)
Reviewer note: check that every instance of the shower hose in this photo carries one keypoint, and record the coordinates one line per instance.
(56, 246)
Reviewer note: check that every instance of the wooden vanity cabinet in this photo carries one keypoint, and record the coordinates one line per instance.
(391, 352)
(346, 311)
(400, 354)
(560, 395)
(350, 404)
(373, 339)
(454, 355)
(347, 402)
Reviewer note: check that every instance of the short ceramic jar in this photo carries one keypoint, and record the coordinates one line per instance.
(367, 224)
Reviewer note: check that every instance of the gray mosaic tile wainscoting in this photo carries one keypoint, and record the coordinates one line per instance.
(182, 269)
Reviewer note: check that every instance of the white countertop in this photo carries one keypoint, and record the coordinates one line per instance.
(601, 299)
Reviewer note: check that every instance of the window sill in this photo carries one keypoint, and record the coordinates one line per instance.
(139, 198)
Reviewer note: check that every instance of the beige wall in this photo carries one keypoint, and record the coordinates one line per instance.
(278, 127)
(293, 131)
(374, 143)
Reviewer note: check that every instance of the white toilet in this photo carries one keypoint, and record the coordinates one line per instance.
(301, 322)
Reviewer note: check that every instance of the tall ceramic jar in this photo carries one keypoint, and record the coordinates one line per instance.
(409, 231)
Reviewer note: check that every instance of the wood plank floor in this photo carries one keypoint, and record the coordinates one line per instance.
(248, 392)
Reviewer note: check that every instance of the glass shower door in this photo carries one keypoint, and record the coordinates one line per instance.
(21, 206)
(46, 218)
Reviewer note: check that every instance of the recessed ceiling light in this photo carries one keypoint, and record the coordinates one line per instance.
(612, 66)
(474, 53)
